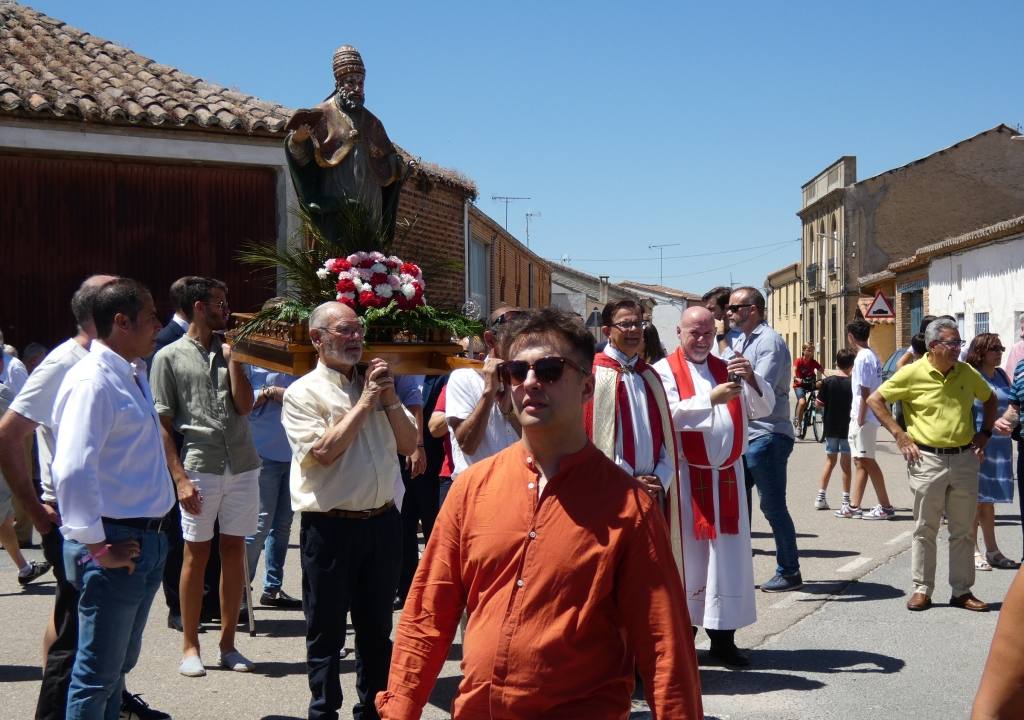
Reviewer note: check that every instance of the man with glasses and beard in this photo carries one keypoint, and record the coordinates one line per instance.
(562, 560)
(942, 451)
(346, 428)
(203, 393)
(770, 437)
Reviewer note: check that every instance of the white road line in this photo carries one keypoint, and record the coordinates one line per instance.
(854, 564)
(790, 599)
(900, 538)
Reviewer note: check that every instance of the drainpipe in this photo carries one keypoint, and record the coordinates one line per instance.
(465, 249)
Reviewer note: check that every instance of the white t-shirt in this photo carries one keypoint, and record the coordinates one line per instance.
(867, 372)
(36, 399)
(465, 388)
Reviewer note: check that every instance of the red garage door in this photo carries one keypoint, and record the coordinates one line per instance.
(62, 219)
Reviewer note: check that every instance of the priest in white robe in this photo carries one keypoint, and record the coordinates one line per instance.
(710, 402)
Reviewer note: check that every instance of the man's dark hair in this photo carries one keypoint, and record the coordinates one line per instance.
(123, 295)
(82, 300)
(917, 343)
(753, 295)
(550, 322)
(860, 329)
(845, 358)
(177, 291)
(925, 322)
(612, 307)
(198, 289)
(719, 294)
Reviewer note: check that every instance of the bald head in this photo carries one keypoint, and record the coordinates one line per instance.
(325, 314)
(696, 333)
(82, 300)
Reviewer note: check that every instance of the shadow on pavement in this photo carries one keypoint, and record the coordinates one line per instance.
(758, 534)
(804, 552)
(444, 692)
(281, 717)
(749, 682)
(278, 627)
(276, 669)
(20, 673)
(852, 590)
(41, 588)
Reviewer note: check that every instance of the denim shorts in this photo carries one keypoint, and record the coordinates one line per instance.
(837, 445)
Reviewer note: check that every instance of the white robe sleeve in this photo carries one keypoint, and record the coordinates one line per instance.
(758, 405)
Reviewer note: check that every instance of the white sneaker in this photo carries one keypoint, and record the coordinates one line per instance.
(879, 512)
(234, 660)
(820, 503)
(849, 512)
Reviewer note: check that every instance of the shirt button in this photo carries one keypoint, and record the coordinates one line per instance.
(533, 534)
(519, 583)
(530, 486)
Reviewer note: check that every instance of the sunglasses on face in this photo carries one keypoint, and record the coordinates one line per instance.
(507, 317)
(737, 308)
(546, 370)
(631, 325)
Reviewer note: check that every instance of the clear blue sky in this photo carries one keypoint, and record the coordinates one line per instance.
(627, 124)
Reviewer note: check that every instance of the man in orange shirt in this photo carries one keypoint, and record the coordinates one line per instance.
(562, 560)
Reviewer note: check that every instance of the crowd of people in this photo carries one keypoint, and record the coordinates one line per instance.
(586, 509)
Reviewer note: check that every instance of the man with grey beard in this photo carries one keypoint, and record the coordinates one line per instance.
(346, 427)
(339, 153)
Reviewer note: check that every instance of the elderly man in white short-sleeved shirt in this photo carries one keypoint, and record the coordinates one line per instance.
(478, 408)
(346, 428)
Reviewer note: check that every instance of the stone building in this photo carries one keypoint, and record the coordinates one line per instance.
(669, 305)
(112, 162)
(783, 291)
(853, 229)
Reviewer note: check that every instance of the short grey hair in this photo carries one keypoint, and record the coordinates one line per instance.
(322, 313)
(935, 327)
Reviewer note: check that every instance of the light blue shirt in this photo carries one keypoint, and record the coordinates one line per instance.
(769, 356)
(265, 421)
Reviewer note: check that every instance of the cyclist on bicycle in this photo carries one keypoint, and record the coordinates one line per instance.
(806, 373)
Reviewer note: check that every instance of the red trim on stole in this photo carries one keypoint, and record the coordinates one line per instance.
(626, 413)
(695, 452)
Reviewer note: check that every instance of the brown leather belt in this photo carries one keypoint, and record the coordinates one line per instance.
(359, 514)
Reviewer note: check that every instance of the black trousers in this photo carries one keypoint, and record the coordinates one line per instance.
(175, 558)
(348, 565)
(53, 692)
(419, 506)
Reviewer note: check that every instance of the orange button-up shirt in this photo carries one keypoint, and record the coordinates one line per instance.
(564, 589)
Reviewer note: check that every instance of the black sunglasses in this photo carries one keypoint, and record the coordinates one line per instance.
(737, 308)
(547, 370)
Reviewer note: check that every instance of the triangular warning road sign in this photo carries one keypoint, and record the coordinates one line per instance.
(880, 307)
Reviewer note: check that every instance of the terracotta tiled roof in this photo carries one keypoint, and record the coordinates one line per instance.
(49, 69)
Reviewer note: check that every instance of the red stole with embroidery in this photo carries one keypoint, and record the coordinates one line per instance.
(696, 454)
(624, 412)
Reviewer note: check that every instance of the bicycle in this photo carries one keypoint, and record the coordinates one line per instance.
(812, 417)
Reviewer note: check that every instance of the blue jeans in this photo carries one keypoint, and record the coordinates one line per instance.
(765, 462)
(112, 611)
(274, 524)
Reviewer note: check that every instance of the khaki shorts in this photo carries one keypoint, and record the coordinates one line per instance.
(6, 507)
(862, 440)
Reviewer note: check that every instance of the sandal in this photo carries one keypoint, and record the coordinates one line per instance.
(980, 563)
(998, 560)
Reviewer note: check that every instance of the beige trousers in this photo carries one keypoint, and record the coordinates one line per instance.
(944, 483)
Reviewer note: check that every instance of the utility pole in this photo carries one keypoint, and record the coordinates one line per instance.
(661, 258)
(528, 216)
(507, 199)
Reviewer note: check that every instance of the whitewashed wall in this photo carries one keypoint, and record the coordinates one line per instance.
(665, 318)
(985, 279)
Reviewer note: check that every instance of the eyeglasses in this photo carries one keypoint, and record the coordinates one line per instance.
(345, 331)
(547, 370)
(950, 343)
(631, 325)
(997, 348)
(737, 308)
(507, 316)
(219, 305)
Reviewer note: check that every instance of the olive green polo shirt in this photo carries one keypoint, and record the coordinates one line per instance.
(937, 407)
(191, 385)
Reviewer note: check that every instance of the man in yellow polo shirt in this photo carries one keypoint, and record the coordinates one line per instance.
(942, 453)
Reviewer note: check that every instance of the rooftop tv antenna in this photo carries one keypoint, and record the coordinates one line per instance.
(507, 199)
(528, 216)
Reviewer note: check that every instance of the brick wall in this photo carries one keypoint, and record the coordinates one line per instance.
(436, 241)
(904, 331)
(511, 265)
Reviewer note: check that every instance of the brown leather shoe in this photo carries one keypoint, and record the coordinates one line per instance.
(919, 601)
(968, 602)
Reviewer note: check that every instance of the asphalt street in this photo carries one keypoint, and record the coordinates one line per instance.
(844, 646)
